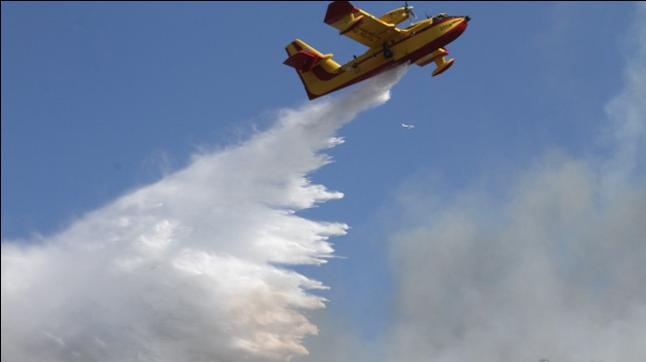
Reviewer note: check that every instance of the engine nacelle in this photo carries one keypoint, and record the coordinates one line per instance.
(397, 16)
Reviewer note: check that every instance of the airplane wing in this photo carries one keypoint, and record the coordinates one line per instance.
(360, 25)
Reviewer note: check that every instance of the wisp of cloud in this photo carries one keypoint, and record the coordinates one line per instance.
(191, 268)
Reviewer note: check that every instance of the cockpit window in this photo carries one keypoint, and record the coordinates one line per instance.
(440, 16)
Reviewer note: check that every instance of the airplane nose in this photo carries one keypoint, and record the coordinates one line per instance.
(467, 18)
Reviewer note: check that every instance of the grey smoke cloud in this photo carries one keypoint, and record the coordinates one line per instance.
(191, 268)
(553, 270)
(556, 272)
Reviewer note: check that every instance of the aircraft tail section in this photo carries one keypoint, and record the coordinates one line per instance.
(314, 68)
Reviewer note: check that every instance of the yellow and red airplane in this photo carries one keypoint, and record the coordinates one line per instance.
(421, 43)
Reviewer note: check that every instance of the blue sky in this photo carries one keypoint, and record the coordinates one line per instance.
(101, 98)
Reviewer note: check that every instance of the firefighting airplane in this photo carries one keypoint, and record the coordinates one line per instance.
(421, 43)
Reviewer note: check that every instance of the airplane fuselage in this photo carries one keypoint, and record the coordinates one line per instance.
(416, 43)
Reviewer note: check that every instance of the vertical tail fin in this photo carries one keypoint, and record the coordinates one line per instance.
(308, 61)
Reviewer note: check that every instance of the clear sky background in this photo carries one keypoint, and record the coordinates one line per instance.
(101, 98)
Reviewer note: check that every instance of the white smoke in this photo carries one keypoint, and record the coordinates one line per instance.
(555, 269)
(189, 268)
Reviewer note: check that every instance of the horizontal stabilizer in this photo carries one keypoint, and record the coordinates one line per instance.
(302, 60)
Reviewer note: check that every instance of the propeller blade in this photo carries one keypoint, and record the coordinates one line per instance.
(409, 10)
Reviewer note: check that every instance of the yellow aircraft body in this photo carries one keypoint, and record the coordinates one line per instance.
(421, 43)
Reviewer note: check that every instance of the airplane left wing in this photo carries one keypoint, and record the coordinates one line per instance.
(360, 25)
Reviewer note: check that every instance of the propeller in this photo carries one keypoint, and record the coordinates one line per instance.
(409, 10)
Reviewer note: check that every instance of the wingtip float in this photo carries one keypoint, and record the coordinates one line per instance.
(420, 43)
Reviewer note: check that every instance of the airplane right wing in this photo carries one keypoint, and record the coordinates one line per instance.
(359, 25)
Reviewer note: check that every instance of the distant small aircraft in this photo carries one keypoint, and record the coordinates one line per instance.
(408, 126)
(421, 43)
